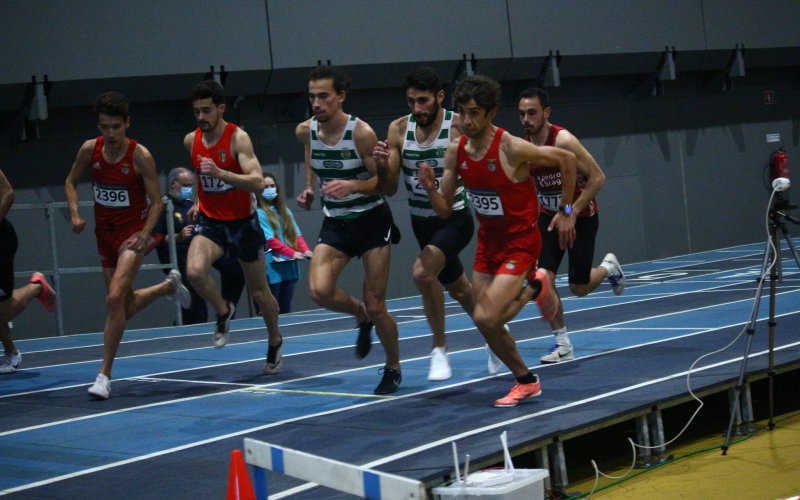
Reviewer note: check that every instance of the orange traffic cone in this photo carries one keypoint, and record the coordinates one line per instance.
(239, 487)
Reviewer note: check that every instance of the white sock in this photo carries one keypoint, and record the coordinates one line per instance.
(608, 267)
(562, 337)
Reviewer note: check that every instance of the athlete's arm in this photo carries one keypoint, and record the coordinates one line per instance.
(521, 152)
(306, 196)
(441, 201)
(365, 140)
(587, 167)
(6, 196)
(387, 157)
(146, 167)
(78, 170)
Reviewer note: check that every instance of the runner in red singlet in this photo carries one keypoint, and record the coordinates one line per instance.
(534, 113)
(493, 165)
(228, 175)
(127, 204)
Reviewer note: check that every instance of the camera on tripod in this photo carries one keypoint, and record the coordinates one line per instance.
(779, 175)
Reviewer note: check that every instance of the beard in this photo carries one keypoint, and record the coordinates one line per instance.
(425, 119)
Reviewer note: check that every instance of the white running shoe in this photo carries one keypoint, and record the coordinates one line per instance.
(101, 388)
(615, 276)
(181, 293)
(440, 365)
(10, 361)
(558, 353)
(493, 363)
(222, 331)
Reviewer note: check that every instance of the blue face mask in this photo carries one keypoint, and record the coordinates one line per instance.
(270, 193)
(187, 192)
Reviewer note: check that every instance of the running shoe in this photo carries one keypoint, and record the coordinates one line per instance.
(493, 363)
(364, 340)
(11, 361)
(518, 393)
(181, 293)
(615, 275)
(223, 329)
(390, 381)
(558, 353)
(440, 365)
(274, 358)
(101, 388)
(547, 300)
(47, 296)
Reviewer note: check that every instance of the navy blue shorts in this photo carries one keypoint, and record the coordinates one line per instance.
(242, 238)
(448, 235)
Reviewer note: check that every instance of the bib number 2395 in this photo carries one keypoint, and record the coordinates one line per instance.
(486, 203)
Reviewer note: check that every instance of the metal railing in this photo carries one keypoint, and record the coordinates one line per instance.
(56, 272)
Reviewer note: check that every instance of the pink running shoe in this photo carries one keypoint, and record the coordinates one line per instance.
(518, 393)
(547, 300)
(47, 296)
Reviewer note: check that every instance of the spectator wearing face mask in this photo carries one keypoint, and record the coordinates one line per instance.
(285, 243)
(180, 189)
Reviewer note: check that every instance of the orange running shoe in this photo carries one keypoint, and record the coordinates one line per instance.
(518, 393)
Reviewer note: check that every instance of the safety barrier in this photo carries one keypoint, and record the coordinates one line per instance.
(56, 272)
(340, 476)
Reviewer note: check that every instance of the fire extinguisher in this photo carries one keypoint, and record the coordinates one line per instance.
(779, 164)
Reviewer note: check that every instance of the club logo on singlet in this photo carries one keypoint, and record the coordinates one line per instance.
(510, 265)
(346, 154)
(96, 165)
(490, 164)
(221, 156)
(125, 168)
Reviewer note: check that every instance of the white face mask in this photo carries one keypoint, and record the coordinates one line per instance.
(270, 193)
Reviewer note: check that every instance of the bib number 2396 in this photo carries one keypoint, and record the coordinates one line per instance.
(111, 196)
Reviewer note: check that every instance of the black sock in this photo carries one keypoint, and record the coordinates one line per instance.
(528, 378)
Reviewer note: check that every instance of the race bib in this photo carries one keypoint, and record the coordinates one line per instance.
(550, 202)
(417, 189)
(486, 202)
(214, 185)
(111, 196)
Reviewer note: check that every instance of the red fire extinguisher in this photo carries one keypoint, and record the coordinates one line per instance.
(779, 164)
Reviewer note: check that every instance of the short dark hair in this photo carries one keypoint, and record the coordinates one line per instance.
(341, 80)
(483, 90)
(208, 89)
(423, 78)
(534, 92)
(112, 104)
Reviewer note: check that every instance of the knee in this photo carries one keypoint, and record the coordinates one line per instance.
(320, 295)
(423, 278)
(375, 307)
(195, 275)
(485, 320)
(115, 300)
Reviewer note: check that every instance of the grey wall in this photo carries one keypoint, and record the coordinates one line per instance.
(685, 168)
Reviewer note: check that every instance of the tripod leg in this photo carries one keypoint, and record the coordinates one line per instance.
(789, 242)
(767, 266)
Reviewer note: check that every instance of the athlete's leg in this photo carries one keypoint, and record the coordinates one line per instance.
(119, 281)
(498, 300)
(256, 279)
(376, 277)
(427, 266)
(202, 253)
(326, 266)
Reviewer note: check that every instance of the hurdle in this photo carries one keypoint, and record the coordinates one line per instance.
(340, 476)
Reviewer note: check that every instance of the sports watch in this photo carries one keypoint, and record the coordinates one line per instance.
(565, 209)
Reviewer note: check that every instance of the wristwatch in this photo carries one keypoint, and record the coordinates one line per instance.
(565, 209)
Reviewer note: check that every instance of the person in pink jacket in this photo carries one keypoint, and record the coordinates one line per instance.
(285, 243)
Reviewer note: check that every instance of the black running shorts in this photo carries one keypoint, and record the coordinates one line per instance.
(581, 255)
(448, 235)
